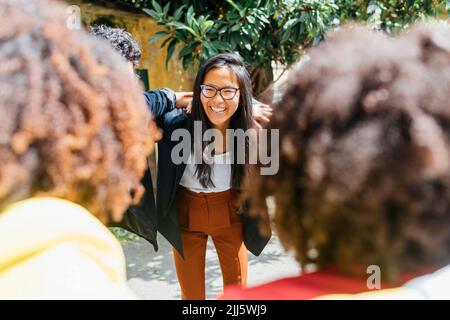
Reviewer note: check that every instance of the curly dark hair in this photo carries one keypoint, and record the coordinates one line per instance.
(365, 153)
(120, 40)
(74, 122)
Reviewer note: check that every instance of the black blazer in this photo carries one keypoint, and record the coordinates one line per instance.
(149, 217)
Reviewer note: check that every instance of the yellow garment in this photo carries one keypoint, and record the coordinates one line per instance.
(54, 249)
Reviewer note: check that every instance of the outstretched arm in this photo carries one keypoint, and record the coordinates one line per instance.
(165, 100)
(160, 102)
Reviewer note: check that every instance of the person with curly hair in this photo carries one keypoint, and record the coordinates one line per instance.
(121, 40)
(126, 45)
(135, 218)
(74, 139)
(364, 180)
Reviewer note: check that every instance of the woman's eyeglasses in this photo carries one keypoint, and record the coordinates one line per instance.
(226, 93)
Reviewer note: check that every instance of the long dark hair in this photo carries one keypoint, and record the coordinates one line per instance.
(241, 119)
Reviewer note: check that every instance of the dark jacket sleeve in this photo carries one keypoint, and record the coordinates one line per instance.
(160, 102)
(142, 219)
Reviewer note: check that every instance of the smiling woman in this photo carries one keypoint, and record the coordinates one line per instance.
(227, 73)
(196, 200)
(220, 107)
(222, 100)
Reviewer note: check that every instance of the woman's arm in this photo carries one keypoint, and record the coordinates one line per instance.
(165, 100)
(160, 102)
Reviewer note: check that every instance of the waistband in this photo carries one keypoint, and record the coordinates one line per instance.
(209, 195)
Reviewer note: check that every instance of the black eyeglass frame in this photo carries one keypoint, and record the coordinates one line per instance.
(203, 86)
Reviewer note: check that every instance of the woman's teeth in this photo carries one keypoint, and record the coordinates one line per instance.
(218, 110)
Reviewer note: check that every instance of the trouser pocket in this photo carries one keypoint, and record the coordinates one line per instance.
(198, 214)
(219, 214)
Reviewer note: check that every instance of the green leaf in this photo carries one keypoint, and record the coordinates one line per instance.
(201, 20)
(223, 30)
(157, 7)
(251, 19)
(170, 50)
(182, 26)
(188, 49)
(178, 12)
(290, 23)
(234, 39)
(158, 36)
(187, 60)
(303, 17)
(263, 19)
(236, 27)
(166, 8)
(233, 16)
(206, 52)
(176, 24)
(206, 26)
(234, 5)
(166, 41)
(190, 15)
(152, 13)
(182, 35)
(210, 49)
(195, 26)
(221, 45)
(285, 37)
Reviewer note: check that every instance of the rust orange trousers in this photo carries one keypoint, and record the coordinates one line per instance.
(215, 215)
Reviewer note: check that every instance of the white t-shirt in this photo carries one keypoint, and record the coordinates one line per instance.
(220, 175)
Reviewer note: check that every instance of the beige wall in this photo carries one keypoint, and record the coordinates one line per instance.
(153, 58)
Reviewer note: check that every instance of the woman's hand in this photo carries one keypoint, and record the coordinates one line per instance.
(184, 100)
(261, 113)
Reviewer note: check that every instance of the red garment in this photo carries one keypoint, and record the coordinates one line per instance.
(304, 287)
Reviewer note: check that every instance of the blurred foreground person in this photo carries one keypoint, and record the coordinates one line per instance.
(74, 139)
(363, 191)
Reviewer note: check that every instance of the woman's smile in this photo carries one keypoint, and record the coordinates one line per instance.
(218, 109)
(219, 83)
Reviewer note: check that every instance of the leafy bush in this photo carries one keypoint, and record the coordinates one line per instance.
(267, 31)
(261, 31)
(391, 15)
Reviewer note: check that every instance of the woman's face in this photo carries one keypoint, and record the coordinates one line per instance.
(217, 109)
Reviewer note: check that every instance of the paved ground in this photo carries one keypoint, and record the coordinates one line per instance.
(151, 275)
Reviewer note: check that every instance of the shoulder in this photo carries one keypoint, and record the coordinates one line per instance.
(56, 249)
(160, 95)
(47, 217)
(175, 119)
